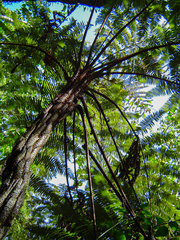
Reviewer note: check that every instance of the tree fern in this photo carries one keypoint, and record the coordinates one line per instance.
(101, 82)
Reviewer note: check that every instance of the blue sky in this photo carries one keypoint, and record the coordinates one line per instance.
(78, 14)
(12, 6)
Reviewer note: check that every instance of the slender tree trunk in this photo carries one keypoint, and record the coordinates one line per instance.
(16, 175)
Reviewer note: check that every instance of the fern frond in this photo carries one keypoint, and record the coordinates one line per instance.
(44, 189)
(149, 121)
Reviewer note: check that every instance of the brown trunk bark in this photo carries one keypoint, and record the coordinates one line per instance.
(16, 175)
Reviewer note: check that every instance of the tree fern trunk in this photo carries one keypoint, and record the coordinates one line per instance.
(16, 175)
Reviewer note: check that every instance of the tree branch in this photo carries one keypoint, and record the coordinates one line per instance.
(111, 64)
(117, 108)
(144, 75)
(104, 174)
(115, 144)
(84, 36)
(66, 160)
(124, 198)
(74, 118)
(97, 35)
(115, 36)
(41, 50)
(74, 8)
(89, 171)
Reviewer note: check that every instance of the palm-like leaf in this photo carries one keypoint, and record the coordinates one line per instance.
(96, 79)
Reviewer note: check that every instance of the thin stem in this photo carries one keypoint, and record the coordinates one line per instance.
(104, 174)
(84, 37)
(115, 36)
(124, 198)
(77, 4)
(41, 50)
(101, 45)
(89, 171)
(66, 160)
(100, 29)
(115, 144)
(144, 75)
(103, 95)
(109, 65)
(76, 181)
(22, 59)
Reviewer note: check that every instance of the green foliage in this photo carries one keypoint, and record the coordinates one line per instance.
(35, 44)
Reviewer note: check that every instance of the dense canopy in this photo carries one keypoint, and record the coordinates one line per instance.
(99, 3)
(80, 106)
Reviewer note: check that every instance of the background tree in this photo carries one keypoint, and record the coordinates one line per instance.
(50, 72)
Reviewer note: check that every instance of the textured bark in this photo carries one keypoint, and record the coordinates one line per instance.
(16, 175)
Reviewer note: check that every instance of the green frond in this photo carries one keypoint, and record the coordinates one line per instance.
(47, 232)
(42, 59)
(149, 121)
(44, 189)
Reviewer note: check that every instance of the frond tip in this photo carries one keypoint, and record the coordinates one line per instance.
(149, 121)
